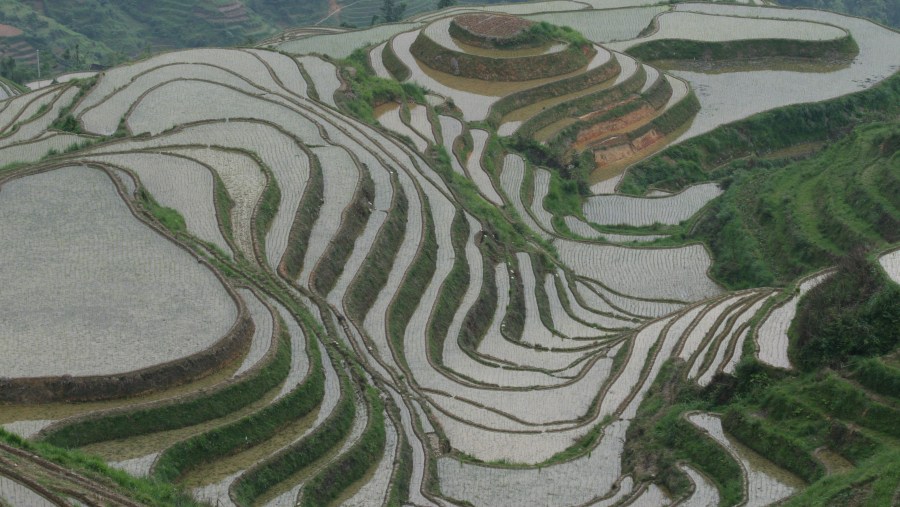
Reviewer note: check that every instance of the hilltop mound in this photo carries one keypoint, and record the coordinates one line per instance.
(494, 31)
(509, 41)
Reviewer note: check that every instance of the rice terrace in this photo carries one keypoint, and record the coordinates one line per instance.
(556, 253)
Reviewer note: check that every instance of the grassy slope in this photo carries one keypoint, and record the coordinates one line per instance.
(786, 417)
(804, 185)
(149, 492)
(779, 220)
(787, 210)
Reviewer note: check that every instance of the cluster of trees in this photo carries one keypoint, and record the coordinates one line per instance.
(884, 11)
(391, 11)
(22, 73)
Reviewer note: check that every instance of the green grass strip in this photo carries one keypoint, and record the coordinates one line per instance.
(375, 270)
(178, 414)
(414, 285)
(768, 441)
(283, 465)
(843, 49)
(351, 466)
(356, 217)
(250, 430)
(393, 64)
(150, 492)
(452, 291)
(875, 375)
(468, 65)
(399, 490)
(268, 206)
(306, 217)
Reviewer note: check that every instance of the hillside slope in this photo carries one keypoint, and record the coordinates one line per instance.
(107, 33)
(409, 300)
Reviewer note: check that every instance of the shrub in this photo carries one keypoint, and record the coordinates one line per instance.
(854, 313)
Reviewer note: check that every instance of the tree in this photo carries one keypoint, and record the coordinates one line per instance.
(392, 12)
(443, 4)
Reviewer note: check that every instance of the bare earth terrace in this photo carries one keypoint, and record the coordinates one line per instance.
(492, 26)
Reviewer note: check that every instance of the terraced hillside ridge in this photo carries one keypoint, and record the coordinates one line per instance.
(369, 267)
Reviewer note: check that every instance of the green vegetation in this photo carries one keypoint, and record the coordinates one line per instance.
(513, 324)
(482, 312)
(377, 267)
(417, 278)
(496, 224)
(487, 68)
(596, 101)
(843, 49)
(535, 35)
(779, 448)
(251, 430)
(764, 135)
(784, 417)
(856, 312)
(368, 90)
(325, 487)
(557, 88)
(452, 291)
(307, 214)
(391, 11)
(267, 474)
(399, 490)
(268, 204)
(66, 122)
(178, 413)
(393, 64)
(875, 375)
(552, 33)
(168, 217)
(146, 491)
(847, 322)
(356, 216)
(780, 219)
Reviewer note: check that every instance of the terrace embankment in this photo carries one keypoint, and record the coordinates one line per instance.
(760, 53)
(99, 319)
(494, 31)
(577, 53)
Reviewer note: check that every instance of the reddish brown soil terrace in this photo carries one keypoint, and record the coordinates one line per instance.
(595, 133)
(9, 31)
(618, 149)
(492, 26)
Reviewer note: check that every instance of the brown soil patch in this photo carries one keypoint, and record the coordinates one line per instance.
(612, 154)
(619, 149)
(492, 26)
(9, 31)
(647, 140)
(597, 132)
(611, 169)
